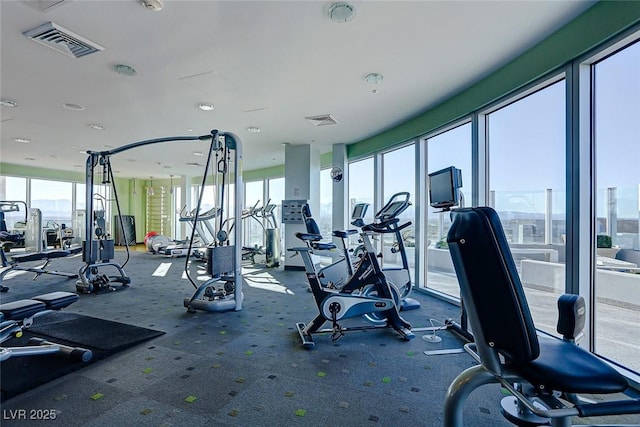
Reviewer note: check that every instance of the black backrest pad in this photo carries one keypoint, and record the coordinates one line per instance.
(484, 262)
(309, 222)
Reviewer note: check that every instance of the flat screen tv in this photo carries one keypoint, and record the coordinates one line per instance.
(444, 188)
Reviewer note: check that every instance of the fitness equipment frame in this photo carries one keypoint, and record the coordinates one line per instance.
(98, 250)
(544, 375)
(17, 316)
(348, 302)
(223, 257)
(339, 272)
(33, 239)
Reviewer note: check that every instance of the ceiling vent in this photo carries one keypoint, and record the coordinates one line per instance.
(64, 41)
(45, 5)
(322, 120)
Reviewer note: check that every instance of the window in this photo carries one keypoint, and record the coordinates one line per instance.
(527, 168)
(14, 189)
(617, 131)
(450, 148)
(361, 186)
(53, 198)
(325, 216)
(276, 194)
(398, 175)
(252, 226)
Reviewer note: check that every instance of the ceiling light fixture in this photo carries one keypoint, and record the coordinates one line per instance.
(198, 153)
(125, 70)
(150, 190)
(152, 5)
(253, 129)
(374, 78)
(8, 103)
(73, 107)
(96, 126)
(22, 140)
(205, 107)
(342, 12)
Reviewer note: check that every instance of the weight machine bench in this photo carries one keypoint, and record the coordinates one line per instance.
(17, 316)
(46, 256)
(544, 375)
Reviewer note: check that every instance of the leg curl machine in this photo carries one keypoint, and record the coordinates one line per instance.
(544, 375)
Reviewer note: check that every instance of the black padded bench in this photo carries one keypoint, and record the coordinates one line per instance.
(47, 256)
(19, 315)
(544, 375)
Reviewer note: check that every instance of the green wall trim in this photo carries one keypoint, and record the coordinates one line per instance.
(264, 173)
(9, 169)
(596, 25)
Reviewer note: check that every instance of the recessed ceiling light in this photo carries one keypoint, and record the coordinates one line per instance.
(8, 103)
(198, 153)
(253, 129)
(342, 12)
(374, 78)
(205, 107)
(125, 70)
(96, 126)
(83, 151)
(22, 140)
(73, 107)
(152, 5)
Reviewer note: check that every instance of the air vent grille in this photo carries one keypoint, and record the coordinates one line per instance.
(64, 41)
(322, 120)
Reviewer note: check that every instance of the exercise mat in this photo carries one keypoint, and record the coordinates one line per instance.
(103, 337)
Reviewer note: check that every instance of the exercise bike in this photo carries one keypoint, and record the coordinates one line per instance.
(338, 273)
(349, 301)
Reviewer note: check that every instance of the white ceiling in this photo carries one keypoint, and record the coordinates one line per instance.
(267, 64)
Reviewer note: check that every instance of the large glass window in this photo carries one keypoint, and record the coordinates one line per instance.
(325, 217)
(276, 195)
(53, 198)
(398, 175)
(617, 135)
(450, 148)
(361, 190)
(14, 189)
(527, 168)
(252, 226)
(361, 185)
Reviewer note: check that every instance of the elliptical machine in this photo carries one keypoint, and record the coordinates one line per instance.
(380, 305)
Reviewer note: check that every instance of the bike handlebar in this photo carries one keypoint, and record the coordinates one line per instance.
(385, 227)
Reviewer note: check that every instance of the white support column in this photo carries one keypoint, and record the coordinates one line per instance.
(301, 182)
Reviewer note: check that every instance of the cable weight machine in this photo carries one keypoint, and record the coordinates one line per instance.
(98, 247)
(223, 291)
